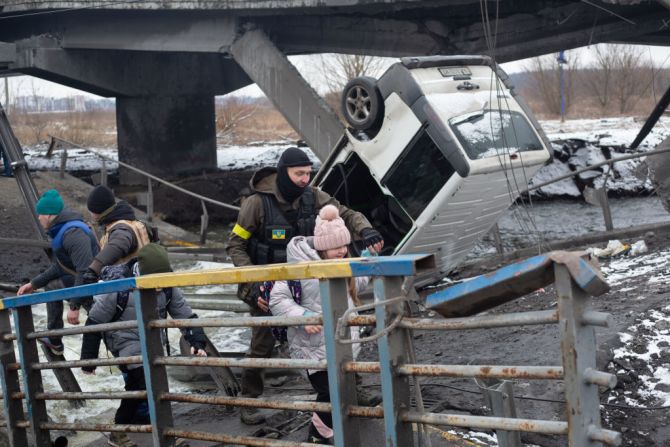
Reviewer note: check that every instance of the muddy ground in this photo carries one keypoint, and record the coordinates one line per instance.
(535, 345)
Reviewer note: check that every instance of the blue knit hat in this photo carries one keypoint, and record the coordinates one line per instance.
(49, 203)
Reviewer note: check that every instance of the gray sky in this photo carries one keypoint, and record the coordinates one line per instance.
(26, 85)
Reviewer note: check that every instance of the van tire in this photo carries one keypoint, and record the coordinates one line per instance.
(362, 104)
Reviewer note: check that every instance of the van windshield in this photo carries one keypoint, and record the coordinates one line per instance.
(490, 133)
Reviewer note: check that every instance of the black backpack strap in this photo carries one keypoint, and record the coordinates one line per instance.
(121, 304)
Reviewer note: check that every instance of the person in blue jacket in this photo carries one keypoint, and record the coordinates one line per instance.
(74, 246)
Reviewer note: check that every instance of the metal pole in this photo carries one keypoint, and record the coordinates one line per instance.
(10, 385)
(393, 349)
(204, 223)
(7, 93)
(63, 163)
(578, 348)
(103, 173)
(497, 239)
(160, 411)
(499, 397)
(32, 377)
(150, 201)
(561, 61)
(653, 118)
(342, 385)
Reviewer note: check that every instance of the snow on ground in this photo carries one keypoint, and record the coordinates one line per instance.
(645, 344)
(606, 131)
(654, 265)
(230, 158)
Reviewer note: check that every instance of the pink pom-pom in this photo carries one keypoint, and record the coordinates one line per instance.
(329, 212)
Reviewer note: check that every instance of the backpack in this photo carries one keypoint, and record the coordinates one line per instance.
(280, 333)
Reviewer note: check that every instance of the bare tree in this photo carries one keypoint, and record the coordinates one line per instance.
(36, 120)
(230, 114)
(338, 69)
(627, 79)
(544, 73)
(599, 80)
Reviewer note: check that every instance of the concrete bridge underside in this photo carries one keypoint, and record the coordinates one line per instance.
(165, 61)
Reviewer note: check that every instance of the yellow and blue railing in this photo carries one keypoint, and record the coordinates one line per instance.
(394, 341)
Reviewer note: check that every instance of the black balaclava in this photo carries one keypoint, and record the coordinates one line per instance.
(290, 158)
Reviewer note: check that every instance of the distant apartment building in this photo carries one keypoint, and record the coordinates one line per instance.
(78, 103)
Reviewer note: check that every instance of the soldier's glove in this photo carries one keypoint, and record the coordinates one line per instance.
(371, 236)
(89, 277)
(249, 293)
(195, 336)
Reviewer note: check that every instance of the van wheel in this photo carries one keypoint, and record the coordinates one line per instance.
(362, 104)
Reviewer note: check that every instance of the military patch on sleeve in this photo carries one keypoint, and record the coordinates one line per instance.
(278, 234)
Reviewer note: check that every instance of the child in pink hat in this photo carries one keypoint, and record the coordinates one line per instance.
(330, 241)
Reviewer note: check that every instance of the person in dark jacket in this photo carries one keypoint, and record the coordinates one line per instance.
(283, 206)
(6, 163)
(73, 246)
(123, 236)
(124, 343)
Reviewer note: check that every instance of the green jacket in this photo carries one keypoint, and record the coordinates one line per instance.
(250, 218)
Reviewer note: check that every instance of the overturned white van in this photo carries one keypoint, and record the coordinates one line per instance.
(438, 148)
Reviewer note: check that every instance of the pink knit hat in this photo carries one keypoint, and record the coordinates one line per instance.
(330, 231)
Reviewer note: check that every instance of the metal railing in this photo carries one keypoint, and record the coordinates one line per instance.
(395, 365)
(150, 178)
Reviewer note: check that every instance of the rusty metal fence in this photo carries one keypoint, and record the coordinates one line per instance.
(576, 322)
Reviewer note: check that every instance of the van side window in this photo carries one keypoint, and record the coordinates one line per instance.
(494, 132)
(418, 174)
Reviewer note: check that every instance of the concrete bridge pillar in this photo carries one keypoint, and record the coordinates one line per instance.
(166, 135)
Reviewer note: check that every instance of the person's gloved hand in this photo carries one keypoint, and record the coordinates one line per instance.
(89, 277)
(198, 348)
(372, 240)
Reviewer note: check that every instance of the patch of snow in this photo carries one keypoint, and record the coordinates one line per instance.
(565, 187)
(619, 270)
(648, 346)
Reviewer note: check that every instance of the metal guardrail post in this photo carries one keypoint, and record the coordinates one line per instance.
(150, 201)
(10, 385)
(578, 348)
(342, 385)
(32, 378)
(160, 411)
(204, 223)
(499, 396)
(393, 349)
(103, 173)
(63, 162)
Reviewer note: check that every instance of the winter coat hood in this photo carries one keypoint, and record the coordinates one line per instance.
(121, 211)
(301, 344)
(264, 180)
(300, 249)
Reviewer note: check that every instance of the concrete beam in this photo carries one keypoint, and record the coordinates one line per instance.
(166, 135)
(519, 35)
(226, 5)
(302, 107)
(124, 73)
(7, 55)
(187, 33)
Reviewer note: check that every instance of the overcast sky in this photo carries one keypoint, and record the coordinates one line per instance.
(27, 85)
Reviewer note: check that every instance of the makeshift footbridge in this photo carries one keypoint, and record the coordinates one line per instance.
(575, 280)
